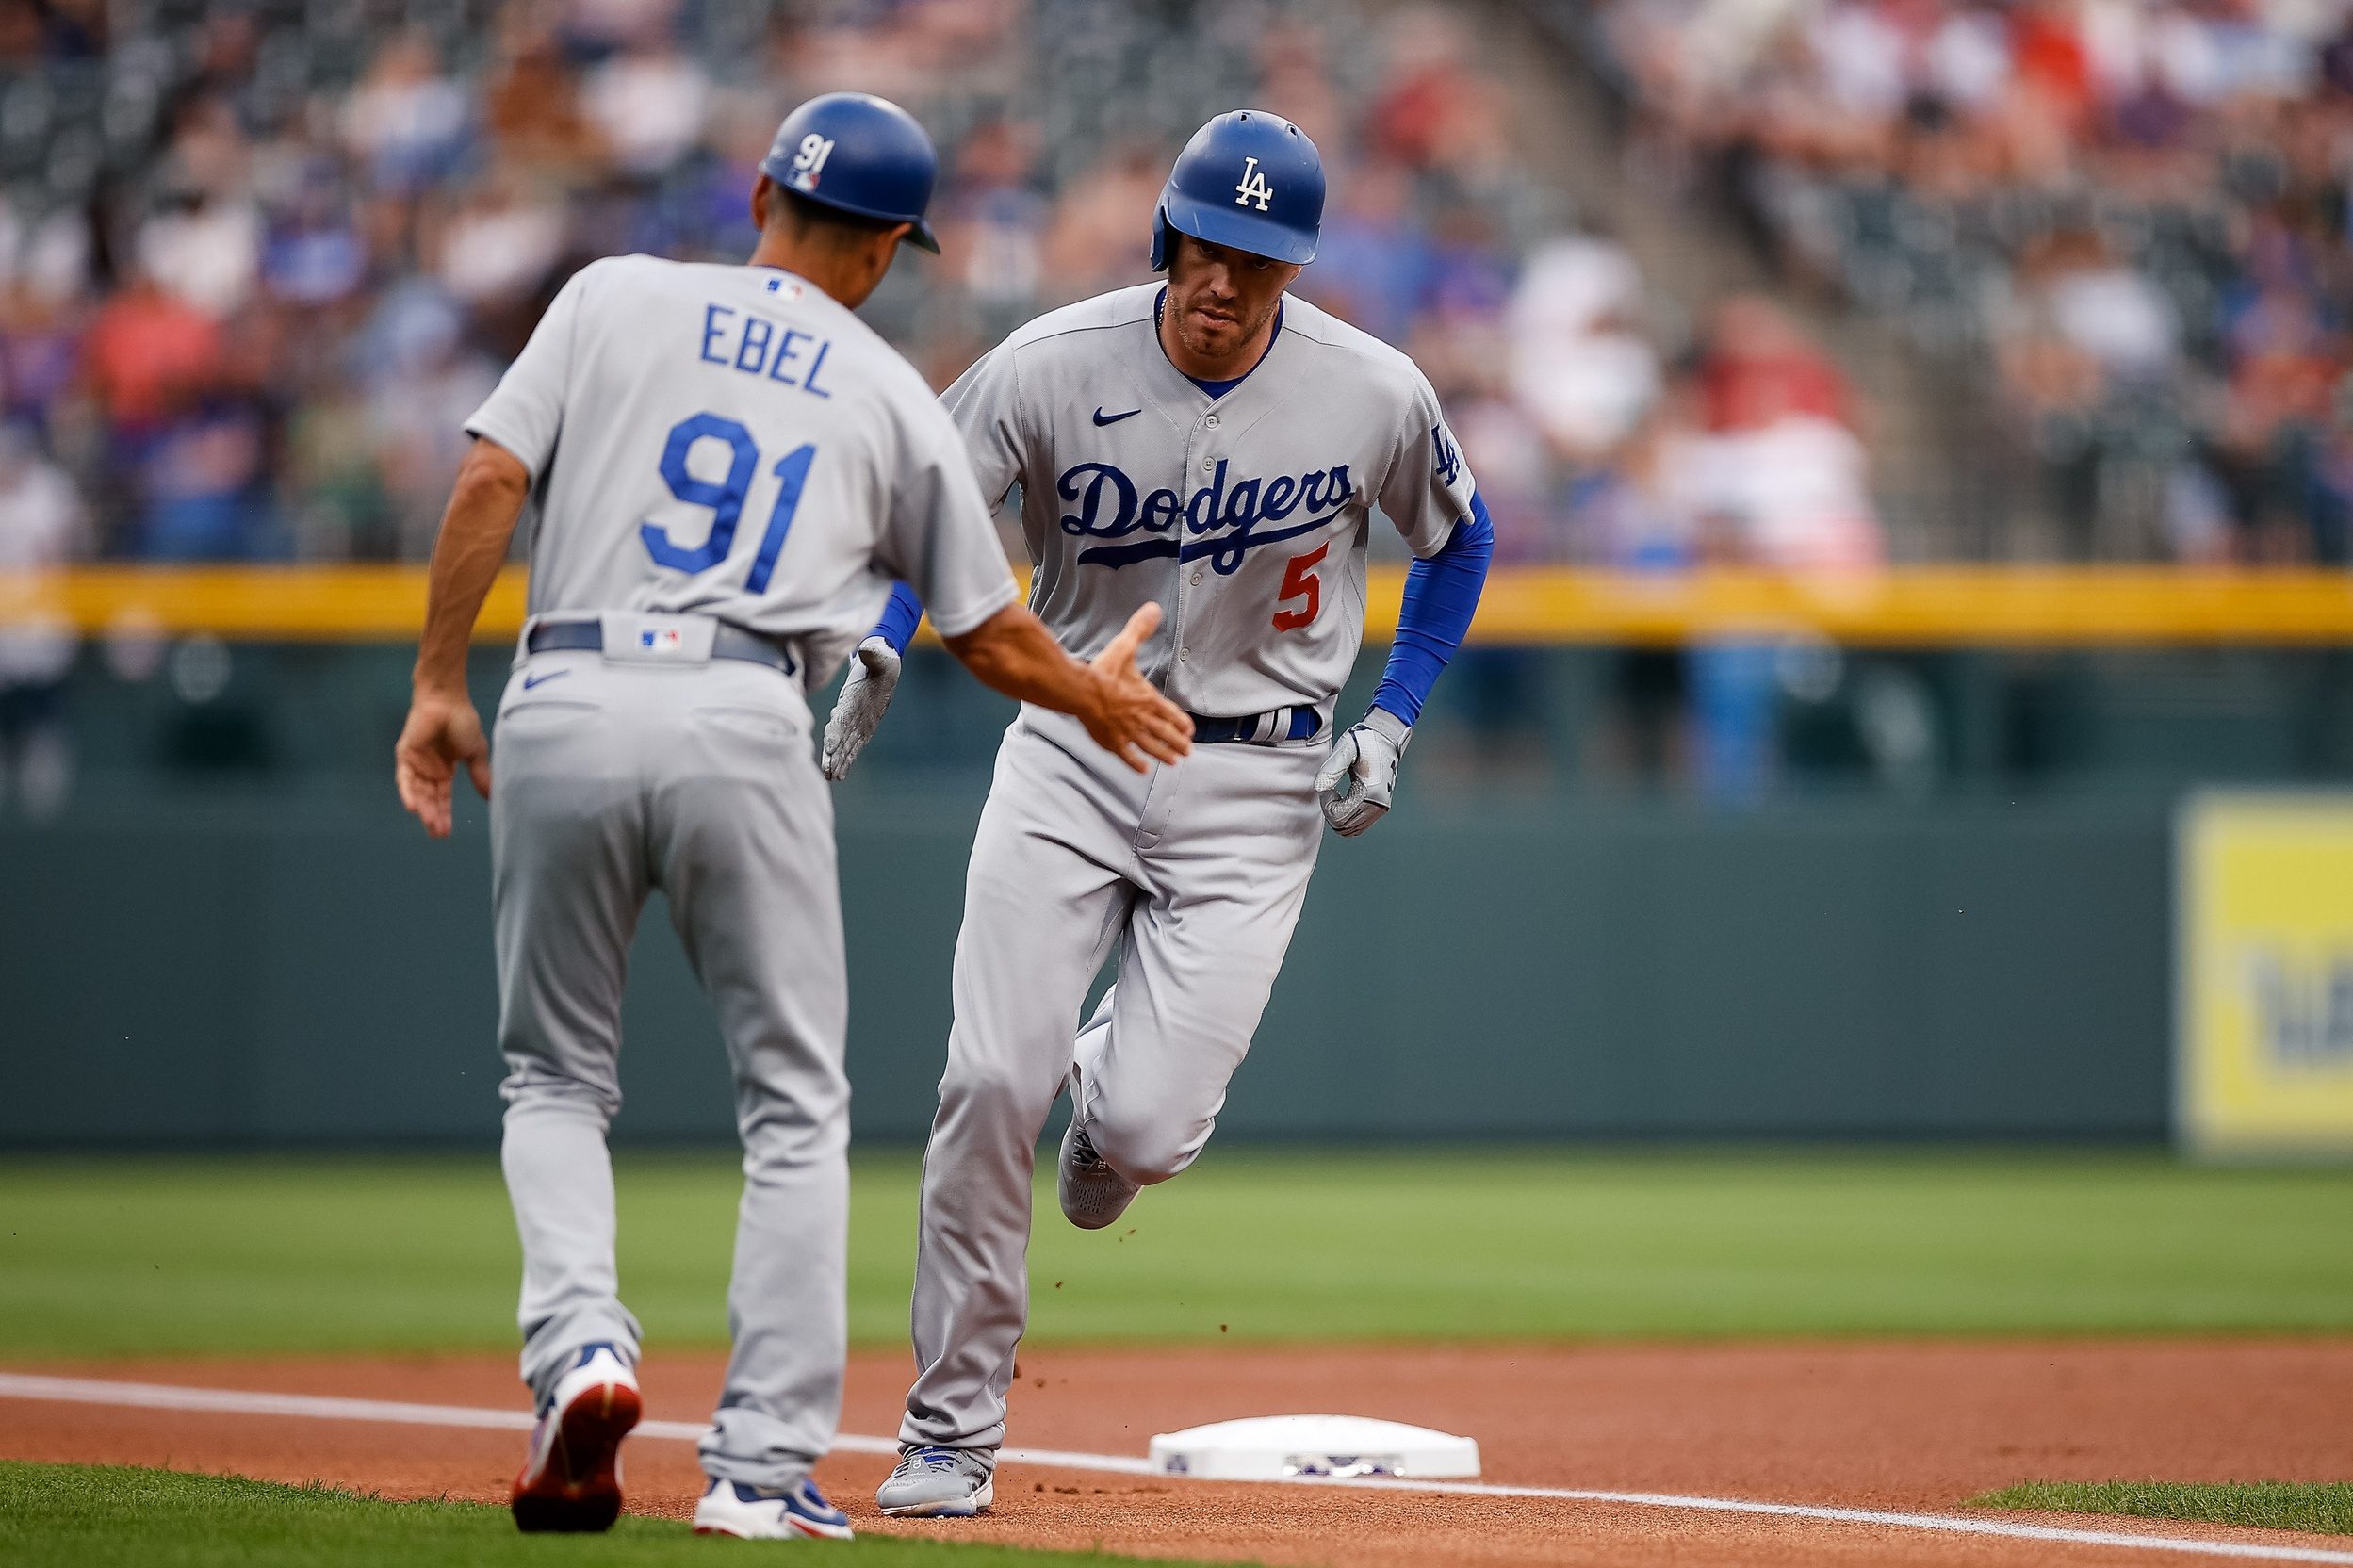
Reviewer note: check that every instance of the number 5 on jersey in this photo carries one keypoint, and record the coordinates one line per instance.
(726, 498)
(1299, 581)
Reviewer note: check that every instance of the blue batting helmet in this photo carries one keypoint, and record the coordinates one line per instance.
(1249, 180)
(858, 154)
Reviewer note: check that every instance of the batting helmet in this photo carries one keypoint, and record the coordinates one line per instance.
(1249, 180)
(858, 154)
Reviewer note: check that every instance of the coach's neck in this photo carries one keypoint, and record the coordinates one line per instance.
(844, 258)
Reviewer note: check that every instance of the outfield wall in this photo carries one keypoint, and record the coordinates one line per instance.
(256, 971)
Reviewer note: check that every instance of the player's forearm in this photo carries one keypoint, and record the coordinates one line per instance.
(900, 618)
(1441, 597)
(492, 486)
(1013, 653)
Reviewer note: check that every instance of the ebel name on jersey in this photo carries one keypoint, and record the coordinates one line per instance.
(1228, 519)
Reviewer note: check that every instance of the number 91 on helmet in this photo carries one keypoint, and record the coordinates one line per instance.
(860, 154)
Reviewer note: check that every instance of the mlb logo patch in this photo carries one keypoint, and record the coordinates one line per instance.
(660, 639)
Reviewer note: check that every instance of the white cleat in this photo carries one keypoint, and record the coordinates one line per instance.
(796, 1513)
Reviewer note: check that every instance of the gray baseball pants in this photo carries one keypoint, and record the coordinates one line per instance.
(1196, 872)
(614, 779)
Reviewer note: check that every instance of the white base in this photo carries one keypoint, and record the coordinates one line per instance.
(1274, 1448)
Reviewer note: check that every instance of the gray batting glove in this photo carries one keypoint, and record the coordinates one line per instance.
(858, 712)
(1360, 777)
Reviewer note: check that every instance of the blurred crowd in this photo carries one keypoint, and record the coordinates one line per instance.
(258, 260)
(257, 263)
(2132, 212)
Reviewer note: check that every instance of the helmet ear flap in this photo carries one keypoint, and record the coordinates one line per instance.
(1160, 237)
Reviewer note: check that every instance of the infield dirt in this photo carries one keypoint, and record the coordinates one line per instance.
(1915, 1427)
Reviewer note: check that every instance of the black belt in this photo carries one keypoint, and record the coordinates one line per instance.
(1262, 729)
(731, 642)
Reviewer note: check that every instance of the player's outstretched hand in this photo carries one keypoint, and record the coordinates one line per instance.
(1130, 719)
(858, 712)
(1359, 779)
(441, 732)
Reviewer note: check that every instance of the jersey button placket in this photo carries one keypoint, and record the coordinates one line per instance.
(1179, 598)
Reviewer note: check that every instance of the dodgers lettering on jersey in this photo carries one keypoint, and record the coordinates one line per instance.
(1246, 518)
(730, 441)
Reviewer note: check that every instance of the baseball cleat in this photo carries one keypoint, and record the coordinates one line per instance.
(796, 1513)
(1093, 1195)
(940, 1484)
(571, 1478)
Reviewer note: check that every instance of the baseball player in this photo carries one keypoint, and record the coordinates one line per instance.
(728, 470)
(1212, 447)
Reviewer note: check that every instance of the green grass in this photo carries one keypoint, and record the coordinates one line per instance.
(118, 1256)
(2324, 1508)
(108, 1516)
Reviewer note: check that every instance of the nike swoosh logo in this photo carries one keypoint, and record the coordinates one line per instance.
(1102, 419)
(531, 680)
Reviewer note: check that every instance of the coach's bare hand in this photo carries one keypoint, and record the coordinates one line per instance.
(442, 731)
(1129, 716)
(1012, 652)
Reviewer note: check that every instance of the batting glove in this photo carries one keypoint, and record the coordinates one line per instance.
(1360, 777)
(858, 712)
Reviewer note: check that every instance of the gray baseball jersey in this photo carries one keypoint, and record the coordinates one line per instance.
(735, 443)
(706, 444)
(1245, 516)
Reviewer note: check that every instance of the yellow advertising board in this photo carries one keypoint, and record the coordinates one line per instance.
(2265, 970)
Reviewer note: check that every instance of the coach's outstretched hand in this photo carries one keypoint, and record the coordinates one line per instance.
(441, 732)
(1012, 652)
(858, 711)
(1131, 713)
(1359, 779)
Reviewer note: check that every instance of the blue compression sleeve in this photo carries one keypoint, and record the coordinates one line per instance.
(900, 618)
(1440, 595)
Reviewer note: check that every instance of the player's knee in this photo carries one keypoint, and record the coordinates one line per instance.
(536, 1086)
(785, 1130)
(995, 1094)
(1142, 1148)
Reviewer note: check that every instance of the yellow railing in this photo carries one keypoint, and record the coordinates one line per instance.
(1918, 605)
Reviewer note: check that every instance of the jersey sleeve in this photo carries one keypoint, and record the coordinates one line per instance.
(1428, 489)
(525, 411)
(941, 539)
(985, 405)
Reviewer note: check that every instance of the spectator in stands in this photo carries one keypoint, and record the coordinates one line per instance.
(1093, 242)
(1374, 261)
(1777, 440)
(427, 384)
(501, 243)
(647, 103)
(407, 121)
(42, 527)
(1579, 365)
(994, 222)
(531, 108)
(149, 353)
(313, 255)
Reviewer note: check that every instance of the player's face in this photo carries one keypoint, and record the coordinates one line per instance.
(1221, 300)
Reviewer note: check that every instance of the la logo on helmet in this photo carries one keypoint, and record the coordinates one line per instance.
(1253, 187)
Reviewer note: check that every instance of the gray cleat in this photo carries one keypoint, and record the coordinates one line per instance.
(1094, 1194)
(940, 1484)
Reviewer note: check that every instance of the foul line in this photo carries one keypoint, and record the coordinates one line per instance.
(229, 1401)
